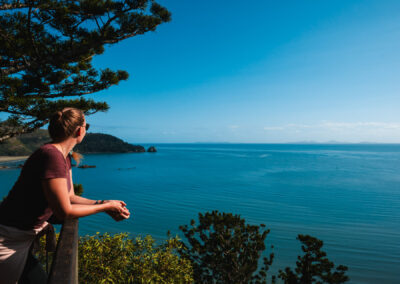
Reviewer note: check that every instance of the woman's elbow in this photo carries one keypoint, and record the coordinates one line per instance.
(63, 215)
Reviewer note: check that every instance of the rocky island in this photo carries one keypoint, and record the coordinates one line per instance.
(152, 149)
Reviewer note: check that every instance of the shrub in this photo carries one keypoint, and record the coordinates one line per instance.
(223, 249)
(119, 259)
(220, 249)
(78, 189)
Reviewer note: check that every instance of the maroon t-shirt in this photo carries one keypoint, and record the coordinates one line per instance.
(26, 207)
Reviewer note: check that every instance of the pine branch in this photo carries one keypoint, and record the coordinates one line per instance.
(15, 5)
(46, 49)
(120, 38)
(12, 70)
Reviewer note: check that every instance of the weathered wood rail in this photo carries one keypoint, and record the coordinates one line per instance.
(64, 268)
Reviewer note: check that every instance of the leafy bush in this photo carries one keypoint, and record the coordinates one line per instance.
(119, 259)
(78, 189)
(223, 249)
(40, 252)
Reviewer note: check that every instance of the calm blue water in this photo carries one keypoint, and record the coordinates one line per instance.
(346, 195)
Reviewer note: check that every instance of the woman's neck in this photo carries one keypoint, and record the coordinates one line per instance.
(65, 147)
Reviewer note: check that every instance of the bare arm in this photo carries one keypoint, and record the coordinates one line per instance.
(56, 193)
(76, 199)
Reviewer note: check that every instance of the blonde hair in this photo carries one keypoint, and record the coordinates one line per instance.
(77, 157)
(63, 125)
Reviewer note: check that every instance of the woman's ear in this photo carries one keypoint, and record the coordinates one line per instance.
(78, 132)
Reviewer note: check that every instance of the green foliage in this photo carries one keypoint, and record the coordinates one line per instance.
(119, 259)
(46, 52)
(223, 249)
(78, 189)
(45, 258)
(152, 264)
(313, 266)
(104, 258)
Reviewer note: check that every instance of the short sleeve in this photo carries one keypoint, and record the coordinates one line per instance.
(54, 165)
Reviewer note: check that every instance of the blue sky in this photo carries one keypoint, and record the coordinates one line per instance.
(259, 72)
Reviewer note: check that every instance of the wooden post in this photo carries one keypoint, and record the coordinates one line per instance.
(64, 268)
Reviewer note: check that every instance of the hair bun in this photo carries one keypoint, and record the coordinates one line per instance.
(64, 123)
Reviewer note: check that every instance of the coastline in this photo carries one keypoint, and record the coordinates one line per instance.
(12, 158)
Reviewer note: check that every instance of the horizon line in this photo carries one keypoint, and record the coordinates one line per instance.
(278, 143)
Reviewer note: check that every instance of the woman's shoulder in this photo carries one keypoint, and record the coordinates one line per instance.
(45, 155)
(46, 151)
(48, 157)
(48, 148)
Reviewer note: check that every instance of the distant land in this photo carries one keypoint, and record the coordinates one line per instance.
(93, 143)
(25, 144)
(105, 143)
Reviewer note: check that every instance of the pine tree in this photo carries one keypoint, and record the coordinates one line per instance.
(224, 249)
(313, 266)
(46, 52)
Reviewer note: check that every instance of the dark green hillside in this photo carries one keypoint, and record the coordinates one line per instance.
(36, 139)
(93, 143)
(24, 144)
(13, 147)
(104, 143)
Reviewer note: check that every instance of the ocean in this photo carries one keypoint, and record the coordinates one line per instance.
(346, 195)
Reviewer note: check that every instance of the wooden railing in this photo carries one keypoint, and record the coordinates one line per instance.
(64, 268)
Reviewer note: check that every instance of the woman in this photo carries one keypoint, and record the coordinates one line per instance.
(43, 188)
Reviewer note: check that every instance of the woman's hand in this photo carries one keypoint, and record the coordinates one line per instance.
(56, 193)
(117, 210)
